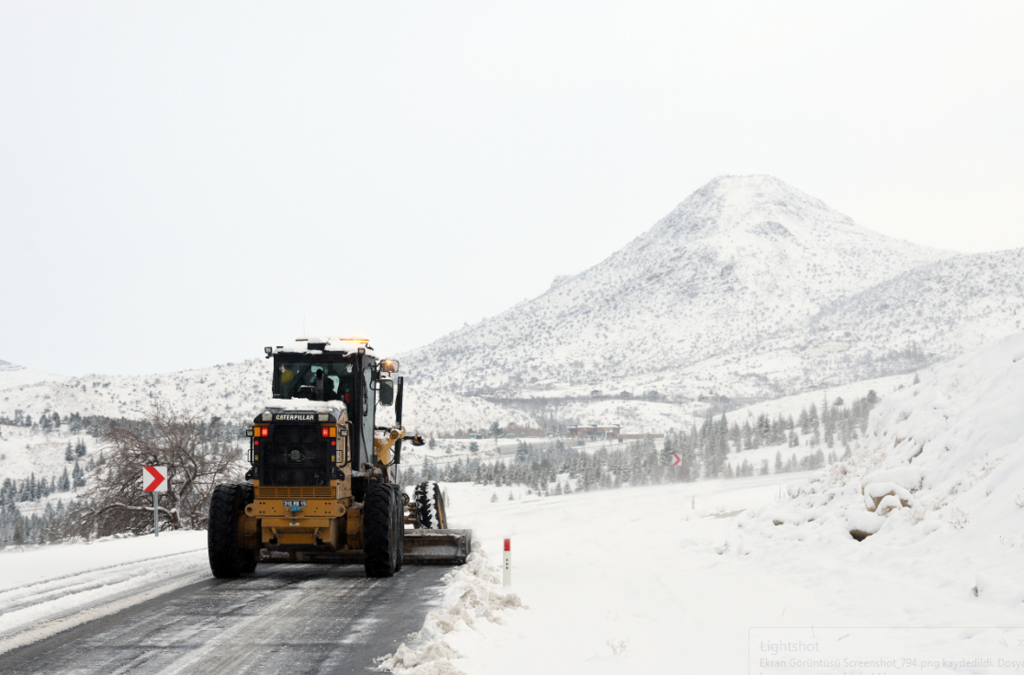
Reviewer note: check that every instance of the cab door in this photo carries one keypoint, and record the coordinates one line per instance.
(367, 406)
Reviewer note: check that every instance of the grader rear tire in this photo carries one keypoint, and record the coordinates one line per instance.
(222, 533)
(379, 536)
(430, 505)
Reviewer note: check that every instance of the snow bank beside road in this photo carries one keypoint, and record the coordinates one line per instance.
(48, 589)
(473, 597)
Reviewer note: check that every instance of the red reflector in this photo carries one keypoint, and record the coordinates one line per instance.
(508, 544)
(334, 443)
(264, 431)
(255, 442)
(324, 432)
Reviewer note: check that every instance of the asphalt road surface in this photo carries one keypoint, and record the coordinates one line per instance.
(292, 619)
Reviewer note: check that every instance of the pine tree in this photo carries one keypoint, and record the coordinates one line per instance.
(69, 455)
(736, 436)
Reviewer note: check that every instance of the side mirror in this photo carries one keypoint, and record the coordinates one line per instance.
(387, 391)
(389, 366)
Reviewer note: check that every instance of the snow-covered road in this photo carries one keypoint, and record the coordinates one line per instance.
(284, 618)
(46, 590)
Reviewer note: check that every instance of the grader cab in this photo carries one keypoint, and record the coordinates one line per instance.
(323, 483)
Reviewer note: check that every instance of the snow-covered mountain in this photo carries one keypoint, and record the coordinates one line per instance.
(749, 287)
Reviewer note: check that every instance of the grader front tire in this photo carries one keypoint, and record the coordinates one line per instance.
(379, 535)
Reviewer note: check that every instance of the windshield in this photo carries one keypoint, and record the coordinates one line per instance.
(298, 380)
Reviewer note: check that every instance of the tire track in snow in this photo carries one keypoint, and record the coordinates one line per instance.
(45, 608)
(61, 587)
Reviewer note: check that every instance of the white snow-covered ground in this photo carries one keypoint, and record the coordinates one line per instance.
(757, 575)
(48, 589)
(762, 575)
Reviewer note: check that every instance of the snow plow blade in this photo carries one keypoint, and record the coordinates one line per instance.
(437, 547)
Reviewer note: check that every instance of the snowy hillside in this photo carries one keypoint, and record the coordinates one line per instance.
(12, 375)
(749, 287)
(235, 392)
(952, 307)
(231, 391)
(942, 467)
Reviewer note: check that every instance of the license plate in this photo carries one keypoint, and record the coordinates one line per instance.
(295, 503)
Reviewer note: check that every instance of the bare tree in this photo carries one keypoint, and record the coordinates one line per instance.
(197, 458)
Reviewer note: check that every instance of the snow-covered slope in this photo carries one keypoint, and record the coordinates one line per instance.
(12, 375)
(749, 287)
(233, 391)
(949, 308)
(950, 449)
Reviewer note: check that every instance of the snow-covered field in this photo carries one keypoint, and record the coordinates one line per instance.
(749, 575)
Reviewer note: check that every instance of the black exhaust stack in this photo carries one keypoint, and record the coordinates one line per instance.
(398, 419)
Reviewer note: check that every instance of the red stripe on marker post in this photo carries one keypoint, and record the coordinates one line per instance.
(508, 563)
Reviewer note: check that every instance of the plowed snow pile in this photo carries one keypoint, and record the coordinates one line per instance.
(726, 576)
(472, 598)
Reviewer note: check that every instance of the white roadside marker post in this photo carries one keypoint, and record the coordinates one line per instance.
(156, 513)
(508, 563)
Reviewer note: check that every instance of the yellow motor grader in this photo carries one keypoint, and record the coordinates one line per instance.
(323, 483)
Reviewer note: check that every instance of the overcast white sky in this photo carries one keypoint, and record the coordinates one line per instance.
(183, 183)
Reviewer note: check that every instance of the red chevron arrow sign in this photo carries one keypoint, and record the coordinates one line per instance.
(154, 478)
(676, 460)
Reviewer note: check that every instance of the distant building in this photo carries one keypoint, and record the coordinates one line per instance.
(595, 432)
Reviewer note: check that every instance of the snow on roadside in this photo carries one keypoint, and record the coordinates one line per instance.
(615, 581)
(48, 589)
(472, 597)
(680, 578)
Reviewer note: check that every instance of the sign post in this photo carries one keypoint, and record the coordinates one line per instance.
(508, 563)
(154, 479)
